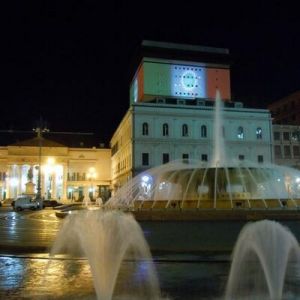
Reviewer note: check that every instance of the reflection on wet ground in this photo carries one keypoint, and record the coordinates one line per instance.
(33, 277)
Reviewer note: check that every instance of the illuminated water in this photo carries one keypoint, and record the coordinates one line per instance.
(266, 263)
(107, 239)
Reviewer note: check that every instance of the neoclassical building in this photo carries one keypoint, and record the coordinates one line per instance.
(171, 113)
(66, 172)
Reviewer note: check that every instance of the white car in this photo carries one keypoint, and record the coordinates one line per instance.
(27, 202)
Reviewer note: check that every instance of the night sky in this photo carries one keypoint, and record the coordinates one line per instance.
(68, 61)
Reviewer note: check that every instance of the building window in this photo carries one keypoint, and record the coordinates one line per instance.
(260, 158)
(258, 133)
(295, 136)
(241, 157)
(145, 129)
(278, 151)
(286, 136)
(203, 131)
(276, 136)
(296, 151)
(145, 159)
(240, 133)
(165, 129)
(204, 157)
(165, 158)
(185, 130)
(185, 156)
(287, 151)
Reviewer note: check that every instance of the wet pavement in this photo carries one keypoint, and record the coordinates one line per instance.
(27, 231)
(27, 272)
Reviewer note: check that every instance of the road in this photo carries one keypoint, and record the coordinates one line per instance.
(27, 231)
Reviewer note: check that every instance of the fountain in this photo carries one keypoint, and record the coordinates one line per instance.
(266, 262)
(221, 183)
(109, 240)
(220, 190)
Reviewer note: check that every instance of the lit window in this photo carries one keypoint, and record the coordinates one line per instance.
(296, 136)
(145, 129)
(185, 130)
(165, 129)
(203, 131)
(240, 132)
(258, 133)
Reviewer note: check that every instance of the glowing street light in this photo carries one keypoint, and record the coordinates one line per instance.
(91, 176)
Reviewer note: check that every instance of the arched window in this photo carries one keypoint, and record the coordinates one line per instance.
(203, 131)
(240, 132)
(165, 129)
(145, 129)
(185, 130)
(258, 133)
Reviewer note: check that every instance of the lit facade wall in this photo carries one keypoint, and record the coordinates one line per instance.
(155, 143)
(122, 152)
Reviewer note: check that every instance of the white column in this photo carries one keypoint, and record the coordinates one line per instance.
(64, 183)
(53, 185)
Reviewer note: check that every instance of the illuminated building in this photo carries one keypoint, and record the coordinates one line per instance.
(66, 172)
(171, 114)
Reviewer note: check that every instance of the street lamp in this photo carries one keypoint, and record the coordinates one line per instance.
(91, 175)
(39, 131)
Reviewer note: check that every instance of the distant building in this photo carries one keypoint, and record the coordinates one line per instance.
(171, 112)
(286, 111)
(287, 145)
(66, 172)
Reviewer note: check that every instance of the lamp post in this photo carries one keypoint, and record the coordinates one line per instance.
(91, 176)
(39, 130)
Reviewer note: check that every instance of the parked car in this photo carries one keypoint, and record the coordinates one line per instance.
(26, 202)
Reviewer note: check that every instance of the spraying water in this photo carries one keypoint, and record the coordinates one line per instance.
(219, 154)
(108, 240)
(266, 262)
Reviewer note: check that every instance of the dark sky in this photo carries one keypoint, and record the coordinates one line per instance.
(69, 61)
